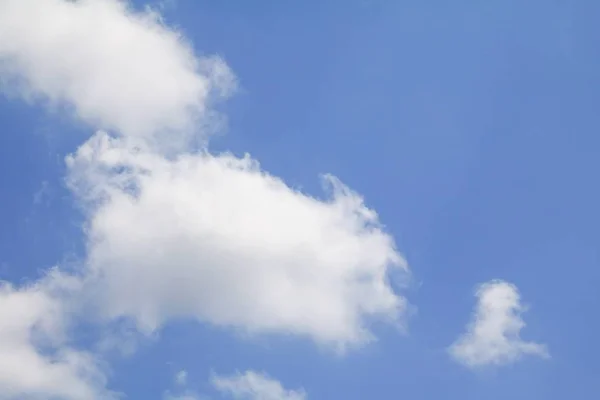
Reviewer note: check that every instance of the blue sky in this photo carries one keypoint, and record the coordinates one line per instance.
(470, 129)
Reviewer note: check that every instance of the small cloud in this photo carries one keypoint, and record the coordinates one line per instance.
(181, 380)
(253, 385)
(493, 336)
(181, 377)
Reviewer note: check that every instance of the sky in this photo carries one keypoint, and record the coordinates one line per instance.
(285, 200)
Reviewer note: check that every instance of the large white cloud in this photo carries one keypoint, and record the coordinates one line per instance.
(36, 361)
(493, 336)
(117, 69)
(171, 232)
(110, 67)
(252, 385)
(218, 239)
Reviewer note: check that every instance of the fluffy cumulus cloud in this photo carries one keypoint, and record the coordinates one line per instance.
(174, 231)
(218, 239)
(493, 336)
(36, 361)
(210, 237)
(253, 385)
(114, 68)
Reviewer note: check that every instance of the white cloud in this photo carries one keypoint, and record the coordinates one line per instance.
(218, 239)
(252, 385)
(119, 70)
(174, 233)
(493, 336)
(35, 359)
(177, 234)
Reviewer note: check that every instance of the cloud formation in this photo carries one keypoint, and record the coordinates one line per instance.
(116, 69)
(253, 385)
(203, 236)
(174, 231)
(220, 240)
(493, 335)
(36, 361)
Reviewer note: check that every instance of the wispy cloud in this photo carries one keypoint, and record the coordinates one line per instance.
(252, 385)
(181, 377)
